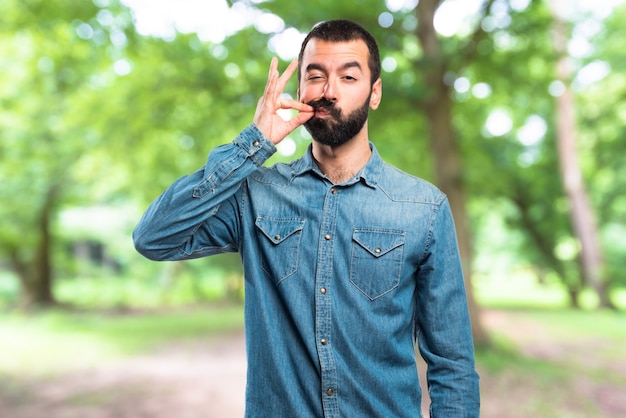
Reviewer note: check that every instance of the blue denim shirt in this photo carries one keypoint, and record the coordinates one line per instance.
(341, 281)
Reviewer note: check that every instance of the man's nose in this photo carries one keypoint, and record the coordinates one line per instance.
(329, 92)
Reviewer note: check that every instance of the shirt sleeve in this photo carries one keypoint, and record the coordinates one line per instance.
(197, 215)
(444, 330)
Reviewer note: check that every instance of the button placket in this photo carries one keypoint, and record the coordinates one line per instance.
(323, 317)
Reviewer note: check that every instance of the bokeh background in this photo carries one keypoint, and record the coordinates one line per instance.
(515, 108)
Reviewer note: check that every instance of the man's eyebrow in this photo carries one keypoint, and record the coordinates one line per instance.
(347, 65)
(351, 64)
(313, 66)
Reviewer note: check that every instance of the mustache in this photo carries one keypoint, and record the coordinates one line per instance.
(321, 103)
(327, 105)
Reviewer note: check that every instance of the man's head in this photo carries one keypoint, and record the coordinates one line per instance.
(344, 31)
(339, 75)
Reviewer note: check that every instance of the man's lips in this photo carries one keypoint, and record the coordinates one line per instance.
(320, 111)
(322, 107)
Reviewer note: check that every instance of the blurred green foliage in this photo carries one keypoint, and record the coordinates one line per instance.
(94, 114)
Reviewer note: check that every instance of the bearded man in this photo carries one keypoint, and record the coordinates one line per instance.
(349, 263)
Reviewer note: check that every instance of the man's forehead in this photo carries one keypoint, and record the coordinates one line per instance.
(320, 53)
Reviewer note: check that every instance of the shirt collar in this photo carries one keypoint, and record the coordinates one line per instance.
(370, 174)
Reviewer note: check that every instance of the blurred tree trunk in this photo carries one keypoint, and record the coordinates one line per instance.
(437, 107)
(582, 214)
(34, 270)
(523, 201)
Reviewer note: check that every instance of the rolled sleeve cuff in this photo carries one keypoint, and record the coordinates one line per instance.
(256, 145)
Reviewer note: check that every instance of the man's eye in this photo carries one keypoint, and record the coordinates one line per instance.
(349, 78)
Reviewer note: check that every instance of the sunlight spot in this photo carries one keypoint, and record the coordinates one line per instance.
(409, 23)
(269, 23)
(592, 73)
(407, 79)
(287, 43)
(556, 88)
(286, 147)
(118, 38)
(122, 67)
(389, 64)
(481, 90)
(579, 47)
(462, 85)
(503, 41)
(219, 51)
(212, 20)
(285, 114)
(411, 47)
(401, 5)
(488, 24)
(519, 5)
(533, 131)
(186, 142)
(528, 157)
(385, 20)
(45, 64)
(567, 249)
(454, 17)
(500, 11)
(84, 31)
(105, 17)
(499, 123)
(231, 70)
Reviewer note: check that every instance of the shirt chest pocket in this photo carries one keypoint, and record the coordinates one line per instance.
(279, 245)
(376, 261)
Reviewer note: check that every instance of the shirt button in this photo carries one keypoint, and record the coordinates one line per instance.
(329, 392)
(333, 190)
(255, 144)
(323, 341)
(277, 237)
(327, 237)
(377, 250)
(323, 290)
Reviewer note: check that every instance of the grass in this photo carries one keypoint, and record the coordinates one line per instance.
(521, 289)
(603, 331)
(54, 341)
(572, 364)
(126, 292)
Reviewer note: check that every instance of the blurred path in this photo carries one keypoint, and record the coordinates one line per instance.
(206, 379)
(203, 379)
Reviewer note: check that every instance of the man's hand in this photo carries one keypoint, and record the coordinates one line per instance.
(266, 117)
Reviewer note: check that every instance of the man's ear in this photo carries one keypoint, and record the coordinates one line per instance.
(377, 94)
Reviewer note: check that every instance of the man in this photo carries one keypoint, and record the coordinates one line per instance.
(348, 262)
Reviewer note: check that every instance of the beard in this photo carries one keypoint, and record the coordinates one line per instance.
(336, 129)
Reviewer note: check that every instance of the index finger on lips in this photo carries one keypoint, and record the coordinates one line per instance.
(296, 105)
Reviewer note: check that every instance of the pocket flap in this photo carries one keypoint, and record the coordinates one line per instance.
(277, 230)
(378, 242)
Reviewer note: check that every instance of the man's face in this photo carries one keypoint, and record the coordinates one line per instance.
(335, 80)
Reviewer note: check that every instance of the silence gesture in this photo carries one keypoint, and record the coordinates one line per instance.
(266, 116)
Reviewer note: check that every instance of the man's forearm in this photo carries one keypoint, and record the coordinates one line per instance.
(170, 221)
